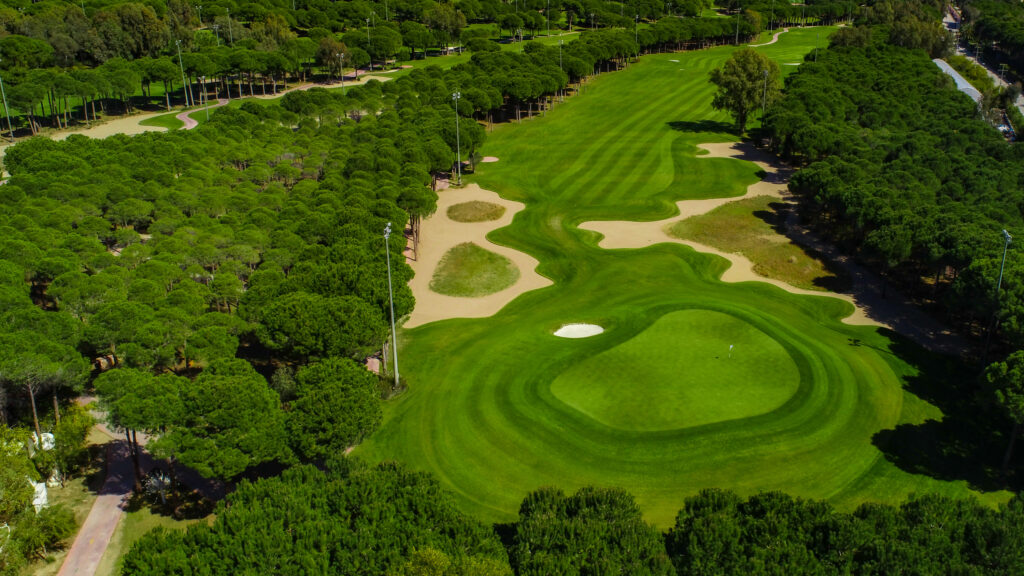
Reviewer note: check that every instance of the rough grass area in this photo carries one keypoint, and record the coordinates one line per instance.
(133, 526)
(470, 271)
(475, 211)
(168, 121)
(748, 227)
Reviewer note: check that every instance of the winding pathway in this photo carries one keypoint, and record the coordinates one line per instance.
(188, 122)
(774, 39)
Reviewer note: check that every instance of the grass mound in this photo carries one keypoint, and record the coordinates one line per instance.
(475, 211)
(469, 270)
(748, 227)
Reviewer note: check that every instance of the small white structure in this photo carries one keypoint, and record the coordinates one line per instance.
(48, 441)
(40, 499)
(578, 330)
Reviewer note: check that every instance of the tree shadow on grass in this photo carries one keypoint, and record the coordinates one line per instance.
(703, 126)
(837, 280)
(967, 443)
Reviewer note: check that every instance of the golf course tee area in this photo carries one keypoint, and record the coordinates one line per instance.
(694, 383)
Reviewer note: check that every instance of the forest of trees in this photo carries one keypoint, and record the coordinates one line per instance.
(901, 170)
(66, 63)
(356, 520)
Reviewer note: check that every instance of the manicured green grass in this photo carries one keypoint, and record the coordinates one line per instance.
(689, 368)
(484, 412)
(469, 270)
(475, 211)
(746, 227)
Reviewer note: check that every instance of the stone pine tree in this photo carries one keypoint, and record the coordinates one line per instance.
(747, 81)
(1007, 379)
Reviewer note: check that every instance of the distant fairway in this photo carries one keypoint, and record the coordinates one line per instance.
(499, 406)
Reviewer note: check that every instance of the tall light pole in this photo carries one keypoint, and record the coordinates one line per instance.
(231, 33)
(200, 15)
(368, 42)
(636, 34)
(999, 283)
(771, 24)
(764, 96)
(8, 112)
(391, 298)
(458, 142)
(547, 15)
(184, 87)
(341, 70)
(216, 31)
(591, 20)
(737, 40)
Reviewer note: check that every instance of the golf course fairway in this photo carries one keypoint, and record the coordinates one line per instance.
(499, 406)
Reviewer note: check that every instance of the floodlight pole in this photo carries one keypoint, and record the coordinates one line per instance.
(341, 70)
(771, 23)
(999, 283)
(368, 42)
(184, 86)
(636, 34)
(391, 298)
(231, 33)
(6, 110)
(737, 40)
(547, 14)
(458, 143)
(764, 96)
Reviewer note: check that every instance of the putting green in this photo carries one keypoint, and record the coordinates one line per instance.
(680, 372)
(496, 407)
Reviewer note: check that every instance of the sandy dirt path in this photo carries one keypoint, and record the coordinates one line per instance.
(186, 115)
(624, 234)
(438, 234)
(84, 556)
(775, 38)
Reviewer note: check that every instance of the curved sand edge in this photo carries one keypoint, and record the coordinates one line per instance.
(624, 234)
(438, 234)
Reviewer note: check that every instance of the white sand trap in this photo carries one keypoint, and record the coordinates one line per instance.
(790, 63)
(578, 330)
(488, 159)
(673, 60)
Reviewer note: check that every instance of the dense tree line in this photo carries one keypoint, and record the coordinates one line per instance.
(346, 520)
(387, 520)
(902, 170)
(66, 63)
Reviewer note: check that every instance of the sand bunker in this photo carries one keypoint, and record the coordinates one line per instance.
(578, 330)
(488, 159)
(439, 234)
(624, 234)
